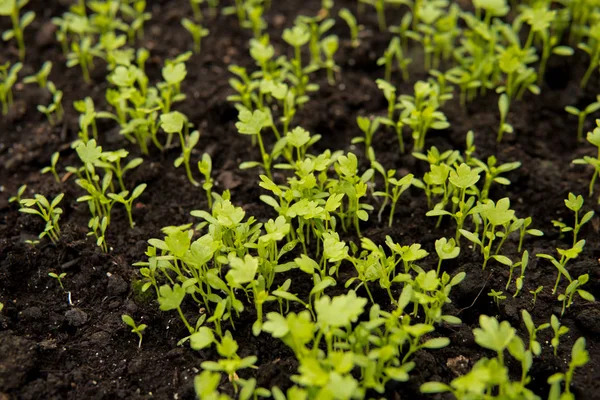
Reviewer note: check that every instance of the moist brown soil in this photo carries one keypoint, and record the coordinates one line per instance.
(51, 349)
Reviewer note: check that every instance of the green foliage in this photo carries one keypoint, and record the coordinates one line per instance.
(579, 358)
(12, 9)
(58, 277)
(41, 78)
(197, 32)
(137, 329)
(8, 78)
(593, 138)
(48, 211)
(52, 167)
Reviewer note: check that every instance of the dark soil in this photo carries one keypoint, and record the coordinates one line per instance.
(55, 345)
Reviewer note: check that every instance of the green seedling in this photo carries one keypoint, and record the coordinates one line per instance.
(231, 362)
(41, 78)
(463, 178)
(83, 53)
(137, 329)
(535, 294)
(398, 186)
(368, 126)
(136, 13)
(98, 228)
(48, 211)
(541, 21)
(197, 31)
(491, 375)
(575, 203)
(582, 114)
(205, 168)
(128, 202)
(565, 256)
(255, 21)
(592, 47)
(195, 5)
(176, 122)
(330, 45)
(519, 78)
(297, 37)
(379, 6)
(594, 138)
(579, 358)
(498, 296)
(17, 198)
(559, 330)
(12, 9)
(317, 28)
(534, 346)
(421, 112)
(58, 277)
(251, 123)
(572, 289)
(8, 78)
(52, 167)
(355, 29)
(446, 250)
(53, 112)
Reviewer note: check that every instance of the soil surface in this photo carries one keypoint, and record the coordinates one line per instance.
(71, 344)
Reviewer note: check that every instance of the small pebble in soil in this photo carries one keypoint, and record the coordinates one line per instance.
(76, 317)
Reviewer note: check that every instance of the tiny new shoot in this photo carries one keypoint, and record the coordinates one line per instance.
(12, 8)
(52, 167)
(8, 78)
(582, 114)
(137, 329)
(58, 277)
(48, 211)
(197, 31)
(176, 122)
(594, 138)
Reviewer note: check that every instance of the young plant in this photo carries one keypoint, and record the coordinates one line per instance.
(594, 138)
(330, 45)
(41, 78)
(53, 112)
(575, 203)
(128, 202)
(582, 114)
(565, 256)
(498, 296)
(176, 122)
(534, 346)
(137, 329)
(572, 289)
(17, 198)
(58, 277)
(398, 187)
(592, 47)
(197, 31)
(350, 19)
(8, 78)
(535, 294)
(519, 78)
(579, 358)
(559, 330)
(368, 126)
(12, 9)
(379, 6)
(83, 53)
(52, 167)
(205, 168)
(251, 123)
(48, 211)
(446, 250)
